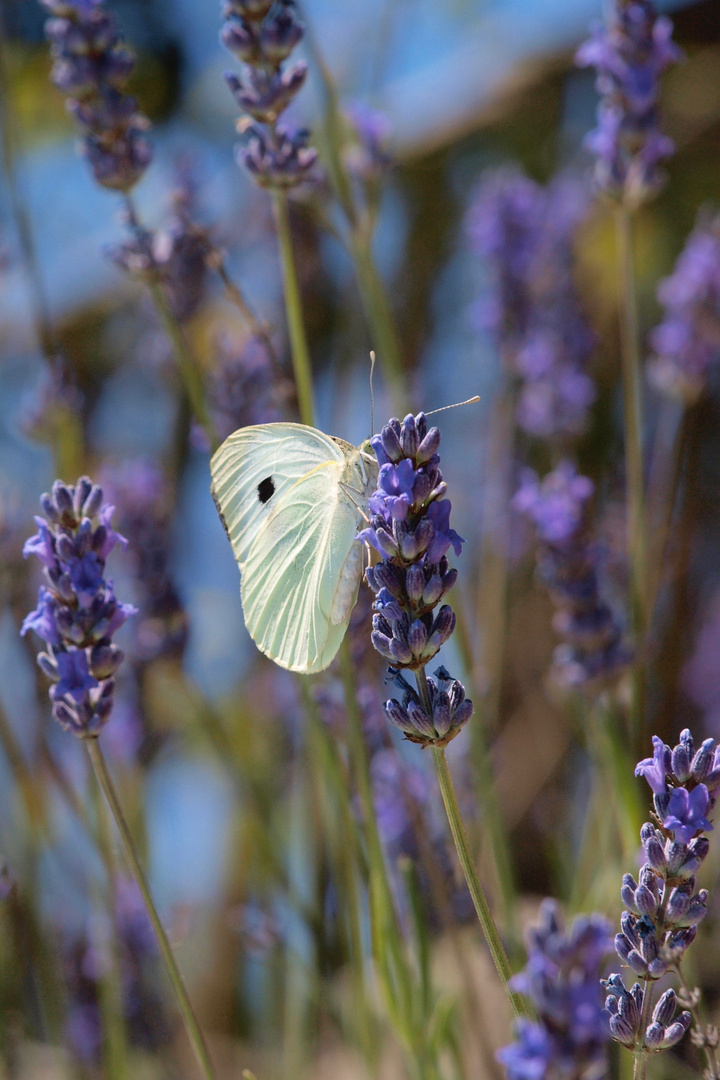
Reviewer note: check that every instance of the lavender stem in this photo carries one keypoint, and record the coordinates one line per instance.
(462, 846)
(641, 1056)
(633, 421)
(293, 308)
(191, 1024)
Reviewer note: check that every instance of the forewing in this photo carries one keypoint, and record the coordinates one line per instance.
(302, 572)
(254, 469)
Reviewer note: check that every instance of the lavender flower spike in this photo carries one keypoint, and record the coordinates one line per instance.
(687, 341)
(261, 34)
(629, 53)
(569, 1038)
(77, 613)
(91, 66)
(410, 529)
(662, 908)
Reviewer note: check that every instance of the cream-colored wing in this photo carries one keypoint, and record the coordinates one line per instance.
(292, 500)
(256, 466)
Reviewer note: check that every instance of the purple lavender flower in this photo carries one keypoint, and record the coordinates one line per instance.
(86, 959)
(687, 341)
(410, 528)
(567, 561)
(686, 813)
(140, 490)
(525, 233)
(91, 66)
(629, 54)
(561, 979)
(178, 256)
(662, 908)
(261, 35)
(77, 613)
(245, 386)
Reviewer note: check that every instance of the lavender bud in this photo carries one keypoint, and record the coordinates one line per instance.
(649, 947)
(657, 968)
(627, 893)
(388, 577)
(49, 508)
(681, 763)
(409, 441)
(623, 946)
(645, 901)
(675, 1032)
(63, 500)
(415, 584)
(82, 490)
(695, 911)
(442, 717)
(417, 637)
(105, 660)
(64, 715)
(621, 1031)
(400, 652)
(48, 665)
(65, 548)
(698, 848)
(654, 1035)
(279, 35)
(391, 443)
(676, 857)
(655, 854)
(420, 720)
(703, 760)
(665, 1008)
(428, 447)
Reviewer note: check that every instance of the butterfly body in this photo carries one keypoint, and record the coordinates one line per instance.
(292, 500)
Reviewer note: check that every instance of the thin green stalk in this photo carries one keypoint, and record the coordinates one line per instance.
(192, 1027)
(634, 458)
(293, 309)
(480, 903)
(457, 828)
(111, 982)
(641, 1054)
(188, 365)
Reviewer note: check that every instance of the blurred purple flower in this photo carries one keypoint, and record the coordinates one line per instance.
(525, 233)
(562, 980)
(687, 342)
(91, 66)
(629, 54)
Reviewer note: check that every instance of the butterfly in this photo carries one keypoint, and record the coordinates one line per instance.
(292, 500)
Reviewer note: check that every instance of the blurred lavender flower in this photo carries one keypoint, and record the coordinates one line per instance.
(526, 232)
(140, 493)
(700, 677)
(261, 34)
(567, 564)
(410, 528)
(687, 341)
(629, 53)
(662, 907)
(91, 66)
(87, 960)
(569, 1039)
(178, 257)
(78, 614)
(245, 385)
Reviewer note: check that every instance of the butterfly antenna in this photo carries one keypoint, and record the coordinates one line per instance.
(372, 395)
(470, 401)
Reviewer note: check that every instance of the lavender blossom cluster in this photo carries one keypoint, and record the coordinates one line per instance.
(687, 342)
(526, 233)
(410, 529)
(567, 564)
(77, 612)
(91, 66)
(629, 53)
(262, 34)
(662, 907)
(568, 1041)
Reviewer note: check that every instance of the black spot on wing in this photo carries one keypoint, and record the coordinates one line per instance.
(266, 489)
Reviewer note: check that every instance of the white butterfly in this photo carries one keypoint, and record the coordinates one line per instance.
(292, 501)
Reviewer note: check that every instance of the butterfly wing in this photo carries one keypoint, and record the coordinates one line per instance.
(290, 499)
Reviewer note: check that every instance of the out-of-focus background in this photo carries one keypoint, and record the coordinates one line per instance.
(209, 740)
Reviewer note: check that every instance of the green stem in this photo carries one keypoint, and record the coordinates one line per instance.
(633, 421)
(482, 908)
(293, 308)
(188, 364)
(191, 1024)
(640, 1053)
